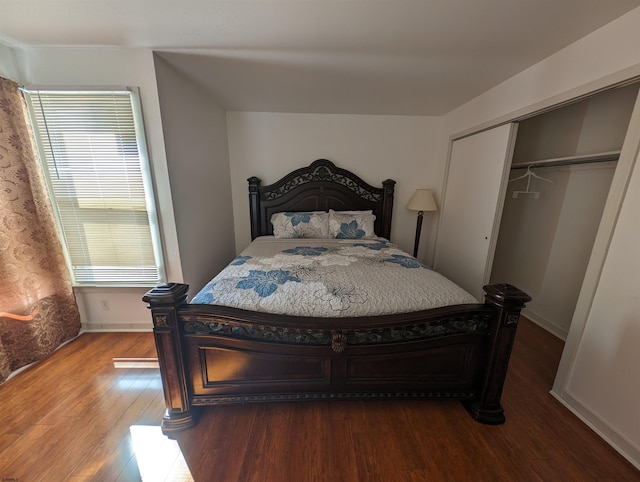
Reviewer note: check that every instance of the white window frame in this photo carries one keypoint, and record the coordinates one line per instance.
(31, 94)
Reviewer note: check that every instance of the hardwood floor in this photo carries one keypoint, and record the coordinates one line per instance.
(75, 417)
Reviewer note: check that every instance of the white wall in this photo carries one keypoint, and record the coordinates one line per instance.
(114, 68)
(598, 377)
(403, 148)
(9, 64)
(195, 136)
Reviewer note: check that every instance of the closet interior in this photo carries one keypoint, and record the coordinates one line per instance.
(561, 171)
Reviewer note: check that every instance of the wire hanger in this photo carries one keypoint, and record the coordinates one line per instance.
(529, 175)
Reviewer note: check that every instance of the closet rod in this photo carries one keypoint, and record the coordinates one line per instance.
(566, 161)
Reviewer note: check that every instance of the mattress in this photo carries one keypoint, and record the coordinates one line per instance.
(329, 278)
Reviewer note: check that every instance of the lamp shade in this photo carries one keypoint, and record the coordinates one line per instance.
(422, 200)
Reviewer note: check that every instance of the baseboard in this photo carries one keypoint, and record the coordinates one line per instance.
(542, 322)
(104, 327)
(623, 446)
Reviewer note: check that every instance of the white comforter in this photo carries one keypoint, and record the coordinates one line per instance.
(329, 278)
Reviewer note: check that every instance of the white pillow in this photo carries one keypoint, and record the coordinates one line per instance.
(313, 224)
(351, 224)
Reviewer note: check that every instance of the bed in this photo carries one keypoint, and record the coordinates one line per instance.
(212, 354)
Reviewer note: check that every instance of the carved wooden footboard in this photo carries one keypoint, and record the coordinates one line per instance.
(213, 355)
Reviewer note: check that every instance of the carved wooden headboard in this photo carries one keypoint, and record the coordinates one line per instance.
(319, 187)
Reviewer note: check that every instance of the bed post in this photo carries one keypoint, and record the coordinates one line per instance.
(163, 301)
(254, 206)
(388, 187)
(508, 300)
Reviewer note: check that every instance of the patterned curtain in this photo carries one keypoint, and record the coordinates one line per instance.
(38, 310)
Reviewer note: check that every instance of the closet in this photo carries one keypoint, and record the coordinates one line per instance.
(573, 246)
(523, 202)
(561, 170)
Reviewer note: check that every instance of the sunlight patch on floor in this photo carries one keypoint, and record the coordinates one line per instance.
(135, 363)
(151, 381)
(159, 458)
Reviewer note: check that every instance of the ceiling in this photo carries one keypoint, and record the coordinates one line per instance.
(397, 57)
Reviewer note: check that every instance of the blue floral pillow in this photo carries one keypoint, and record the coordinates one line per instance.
(314, 224)
(351, 224)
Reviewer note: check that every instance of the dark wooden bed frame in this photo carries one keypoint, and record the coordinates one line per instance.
(212, 355)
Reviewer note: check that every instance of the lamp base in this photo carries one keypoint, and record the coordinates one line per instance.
(418, 229)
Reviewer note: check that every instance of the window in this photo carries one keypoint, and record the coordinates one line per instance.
(94, 159)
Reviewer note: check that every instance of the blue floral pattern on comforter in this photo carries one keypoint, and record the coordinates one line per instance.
(329, 278)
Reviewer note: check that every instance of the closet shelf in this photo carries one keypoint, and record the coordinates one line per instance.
(564, 161)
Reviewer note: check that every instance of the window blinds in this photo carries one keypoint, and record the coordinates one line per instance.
(98, 175)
